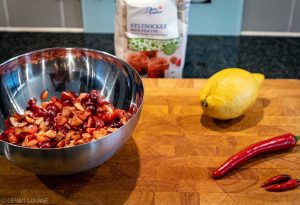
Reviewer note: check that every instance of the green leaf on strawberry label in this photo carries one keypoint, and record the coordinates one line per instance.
(169, 49)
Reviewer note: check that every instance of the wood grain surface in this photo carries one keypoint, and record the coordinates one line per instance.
(172, 152)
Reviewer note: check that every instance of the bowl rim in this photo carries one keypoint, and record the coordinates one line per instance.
(82, 49)
(63, 48)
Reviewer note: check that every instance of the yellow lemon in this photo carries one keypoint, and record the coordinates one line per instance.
(230, 92)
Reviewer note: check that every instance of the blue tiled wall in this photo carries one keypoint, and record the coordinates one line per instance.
(221, 17)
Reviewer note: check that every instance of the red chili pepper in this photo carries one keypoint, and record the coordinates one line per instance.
(276, 180)
(273, 144)
(290, 184)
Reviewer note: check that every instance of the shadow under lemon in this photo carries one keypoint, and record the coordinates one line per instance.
(251, 118)
(110, 183)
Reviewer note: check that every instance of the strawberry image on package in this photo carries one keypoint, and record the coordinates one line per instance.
(151, 35)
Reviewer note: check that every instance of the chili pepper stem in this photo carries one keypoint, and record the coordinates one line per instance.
(297, 138)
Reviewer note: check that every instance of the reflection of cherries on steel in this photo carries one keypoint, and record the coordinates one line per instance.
(148, 62)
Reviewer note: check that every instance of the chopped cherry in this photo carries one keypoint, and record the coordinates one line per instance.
(91, 108)
(99, 123)
(116, 124)
(90, 130)
(83, 97)
(31, 129)
(54, 99)
(94, 95)
(51, 113)
(7, 123)
(31, 102)
(37, 111)
(132, 109)
(44, 95)
(2, 137)
(65, 122)
(53, 107)
(67, 96)
(60, 128)
(67, 103)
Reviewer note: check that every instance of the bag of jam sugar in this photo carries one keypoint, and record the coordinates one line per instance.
(151, 35)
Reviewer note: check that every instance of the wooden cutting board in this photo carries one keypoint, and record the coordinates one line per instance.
(172, 152)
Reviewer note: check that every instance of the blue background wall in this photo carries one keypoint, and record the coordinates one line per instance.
(220, 17)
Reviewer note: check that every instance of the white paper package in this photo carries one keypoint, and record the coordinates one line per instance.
(151, 35)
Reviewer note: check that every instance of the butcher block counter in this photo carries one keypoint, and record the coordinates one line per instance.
(173, 150)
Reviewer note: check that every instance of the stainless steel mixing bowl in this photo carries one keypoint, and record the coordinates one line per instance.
(74, 69)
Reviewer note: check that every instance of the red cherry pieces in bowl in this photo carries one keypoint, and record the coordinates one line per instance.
(66, 122)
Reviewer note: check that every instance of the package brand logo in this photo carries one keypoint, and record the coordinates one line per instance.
(153, 10)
